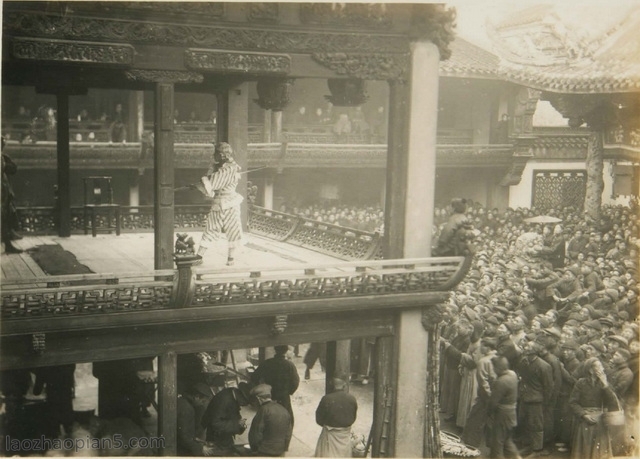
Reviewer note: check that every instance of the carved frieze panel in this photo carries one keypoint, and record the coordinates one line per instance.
(164, 76)
(346, 14)
(228, 61)
(263, 12)
(72, 51)
(204, 36)
(370, 66)
(210, 9)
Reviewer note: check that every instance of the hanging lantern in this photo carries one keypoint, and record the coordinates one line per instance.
(347, 92)
(274, 93)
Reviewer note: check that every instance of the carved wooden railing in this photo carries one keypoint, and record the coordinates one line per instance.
(86, 294)
(188, 286)
(338, 241)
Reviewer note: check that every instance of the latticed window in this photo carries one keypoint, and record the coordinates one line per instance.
(559, 189)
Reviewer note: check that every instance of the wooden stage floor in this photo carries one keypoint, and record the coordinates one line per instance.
(132, 252)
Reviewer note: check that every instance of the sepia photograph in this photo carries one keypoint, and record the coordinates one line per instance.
(289, 229)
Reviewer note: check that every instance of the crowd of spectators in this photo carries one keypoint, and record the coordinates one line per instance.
(363, 218)
(559, 301)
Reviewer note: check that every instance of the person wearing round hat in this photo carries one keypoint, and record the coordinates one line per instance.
(190, 407)
(224, 217)
(271, 427)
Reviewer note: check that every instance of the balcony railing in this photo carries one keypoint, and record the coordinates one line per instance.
(205, 132)
(338, 241)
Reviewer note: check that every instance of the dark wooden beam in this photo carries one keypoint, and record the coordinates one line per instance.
(64, 166)
(336, 305)
(145, 341)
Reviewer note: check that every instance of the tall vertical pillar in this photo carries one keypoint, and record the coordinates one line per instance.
(222, 126)
(64, 166)
(410, 197)
(238, 135)
(164, 176)
(276, 126)
(266, 126)
(168, 402)
(139, 103)
(338, 361)
(267, 198)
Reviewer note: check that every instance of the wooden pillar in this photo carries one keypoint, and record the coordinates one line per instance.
(168, 403)
(397, 158)
(222, 126)
(238, 135)
(416, 165)
(383, 398)
(276, 126)
(139, 112)
(266, 126)
(338, 361)
(164, 176)
(64, 166)
(267, 198)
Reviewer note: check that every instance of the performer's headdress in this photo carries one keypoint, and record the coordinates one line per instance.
(224, 150)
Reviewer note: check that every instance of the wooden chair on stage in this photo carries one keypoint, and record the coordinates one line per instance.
(98, 201)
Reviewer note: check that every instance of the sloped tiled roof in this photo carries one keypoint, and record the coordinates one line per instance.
(548, 54)
(469, 60)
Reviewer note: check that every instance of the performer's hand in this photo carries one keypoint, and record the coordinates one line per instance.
(589, 419)
(207, 450)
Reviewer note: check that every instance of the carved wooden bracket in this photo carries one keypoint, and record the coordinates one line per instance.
(274, 93)
(37, 49)
(164, 76)
(184, 283)
(236, 62)
(432, 316)
(38, 344)
(279, 324)
(368, 66)
(347, 92)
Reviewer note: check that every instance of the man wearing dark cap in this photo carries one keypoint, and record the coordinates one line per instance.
(485, 376)
(536, 384)
(223, 420)
(281, 374)
(547, 341)
(336, 413)
(271, 427)
(505, 346)
(190, 407)
(620, 378)
(564, 420)
(502, 417)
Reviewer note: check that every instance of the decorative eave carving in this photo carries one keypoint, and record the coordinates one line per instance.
(369, 66)
(370, 15)
(209, 9)
(513, 176)
(72, 51)
(164, 76)
(263, 12)
(233, 61)
(201, 36)
(434, 22)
